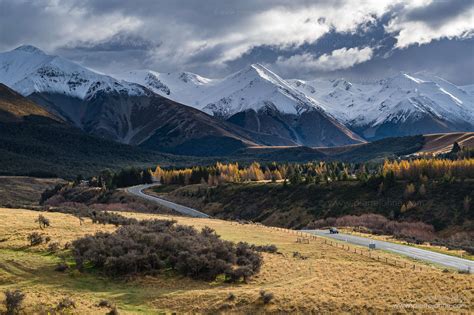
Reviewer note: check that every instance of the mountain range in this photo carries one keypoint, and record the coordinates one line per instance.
(35, 142)
(187, 114)
(404, 104)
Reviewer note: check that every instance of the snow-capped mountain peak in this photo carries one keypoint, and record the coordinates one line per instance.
(30, 49)
(28, 70)
(253, 87)
(425, 101)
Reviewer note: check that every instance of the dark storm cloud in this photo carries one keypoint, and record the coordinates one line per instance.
(216, 37)
(118, 42)
(438, 12)
(449, 59)
(24, 22)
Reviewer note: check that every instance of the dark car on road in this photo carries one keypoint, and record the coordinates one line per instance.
(333, 230)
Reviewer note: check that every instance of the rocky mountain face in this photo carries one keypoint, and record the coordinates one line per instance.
(147, 112)
(106, 107)
(406, 104)
(255, 99)
(188, 114)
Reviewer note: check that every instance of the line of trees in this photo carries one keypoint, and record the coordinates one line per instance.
(124, 178)
(430, 168)
(294, 173)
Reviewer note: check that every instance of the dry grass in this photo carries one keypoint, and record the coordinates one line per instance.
(330, 280)
(24, 191)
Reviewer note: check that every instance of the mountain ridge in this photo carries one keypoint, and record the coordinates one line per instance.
(253, 106)
(403, 104)
(255, 98)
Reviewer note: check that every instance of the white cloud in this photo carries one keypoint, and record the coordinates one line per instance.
(343, 58)
(284, 27)
(422, 31)
(210, 34)
(221, 31)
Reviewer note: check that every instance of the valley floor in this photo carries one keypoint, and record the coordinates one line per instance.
(329, 280)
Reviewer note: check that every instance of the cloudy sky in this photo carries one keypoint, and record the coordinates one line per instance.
(356, 39)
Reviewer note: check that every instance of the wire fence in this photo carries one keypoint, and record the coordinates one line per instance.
(305, 238)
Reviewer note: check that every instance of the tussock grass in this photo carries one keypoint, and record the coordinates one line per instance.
(331, 280)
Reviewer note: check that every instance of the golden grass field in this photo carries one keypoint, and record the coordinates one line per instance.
(331, 280)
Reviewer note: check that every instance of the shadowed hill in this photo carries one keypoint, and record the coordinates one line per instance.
(14, 107)
(35, 142)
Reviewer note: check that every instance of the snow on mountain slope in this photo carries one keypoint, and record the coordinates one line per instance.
(255, 99)
(469, 89)
(183, 87)
(401, 99)
(118, 110)
(68, 90)
(253, 87)
(27, 70)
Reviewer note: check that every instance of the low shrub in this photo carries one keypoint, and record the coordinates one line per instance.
(65, 304)
(53, 247)
(104, 303)
(153, 245)
(104, 217)
(298, 255)
(13, 301)
(464, 271)
(35, 239)
(272, 249)
(113, 311)
(42, 221)
(48, 193)
(61, 267)
(231, 296)
(266, 296)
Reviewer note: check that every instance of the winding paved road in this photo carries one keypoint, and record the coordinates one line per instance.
(138, 191)
(413, 252)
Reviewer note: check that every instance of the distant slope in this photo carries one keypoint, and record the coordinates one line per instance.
(14, 108)
(150, 121)
(443, 142)
(371, 151)
(402, 105)
(36, 143)
(280, 154)
(17, 191)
